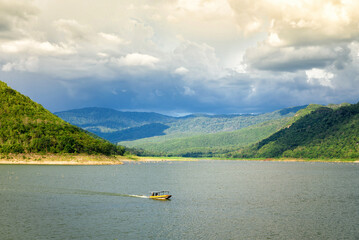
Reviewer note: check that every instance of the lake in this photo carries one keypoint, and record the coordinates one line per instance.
(211, 200)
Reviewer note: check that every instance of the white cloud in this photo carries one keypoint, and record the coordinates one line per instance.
(113, 38)
(102, 55)
(212, 7)
(73, 29)
(29, 64)
(35, 47)
(301, 34)
(181, 71)
(137, 59)
(241, 68)
(319, 76)
(199, 59)
(274, 40)
(300, 21)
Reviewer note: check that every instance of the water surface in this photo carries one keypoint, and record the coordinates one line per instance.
(211, 200)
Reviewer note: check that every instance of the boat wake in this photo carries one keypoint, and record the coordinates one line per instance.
(88, 192)
(80, 192)
(139, 196)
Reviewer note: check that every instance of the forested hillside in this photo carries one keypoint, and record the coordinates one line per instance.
(207, 145)
(27, 127)
(105, 120)
(327, 132)
(117, 126)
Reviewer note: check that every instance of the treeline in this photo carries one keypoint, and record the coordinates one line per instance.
(323, 133)
(27, 127)
(192, 152)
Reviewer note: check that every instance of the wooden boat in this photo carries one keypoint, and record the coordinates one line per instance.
(160, 195)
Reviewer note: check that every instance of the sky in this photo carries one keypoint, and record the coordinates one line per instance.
(181, 56)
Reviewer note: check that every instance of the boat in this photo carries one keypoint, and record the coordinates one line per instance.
(160, 195)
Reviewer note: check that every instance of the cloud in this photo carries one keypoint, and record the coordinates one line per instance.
(320, 76)
(301, 35)
(73, 29)
(200, 55)
(197, 61)
(30, 64)
(137, 59)
(214, 7)
(15, 14)
(32, 46)
(249, 15)
(265, 57)
(113, 38)
(300, 22)
(181, 71)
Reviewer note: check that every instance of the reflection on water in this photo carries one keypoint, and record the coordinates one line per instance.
(211, 200)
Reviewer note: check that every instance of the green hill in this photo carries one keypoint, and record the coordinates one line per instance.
(327, 132)
(207, 136)
(27, 127)
(207, 145)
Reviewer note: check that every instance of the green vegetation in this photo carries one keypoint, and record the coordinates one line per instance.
(148, 130)
(104, 120)
(208, 145)
(225, 123)
(329, 133)
(312, 131)
(117, 126)
(27, 127)
(209, 136)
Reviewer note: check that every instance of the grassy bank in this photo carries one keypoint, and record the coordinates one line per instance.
(158, 159)
(80, 159)
(60, 159)
(85, 159)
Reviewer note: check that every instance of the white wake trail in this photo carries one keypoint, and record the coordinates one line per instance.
(139, 196)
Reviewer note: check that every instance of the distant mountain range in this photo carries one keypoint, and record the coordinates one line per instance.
(312, 131)
(27, 127)
(192, 135)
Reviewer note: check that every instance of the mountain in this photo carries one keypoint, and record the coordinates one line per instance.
(27, 127)
(105, 120)
(192, 135)
(144, 131)
(207, 145)
(117, 126)
(207, 135)
(326, 132)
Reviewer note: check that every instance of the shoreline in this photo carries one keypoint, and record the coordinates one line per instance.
(60, 159)
(83, 159)
(80, 159)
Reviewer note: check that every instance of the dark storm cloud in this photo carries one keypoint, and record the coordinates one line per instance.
(167, 93)
(289, 59)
